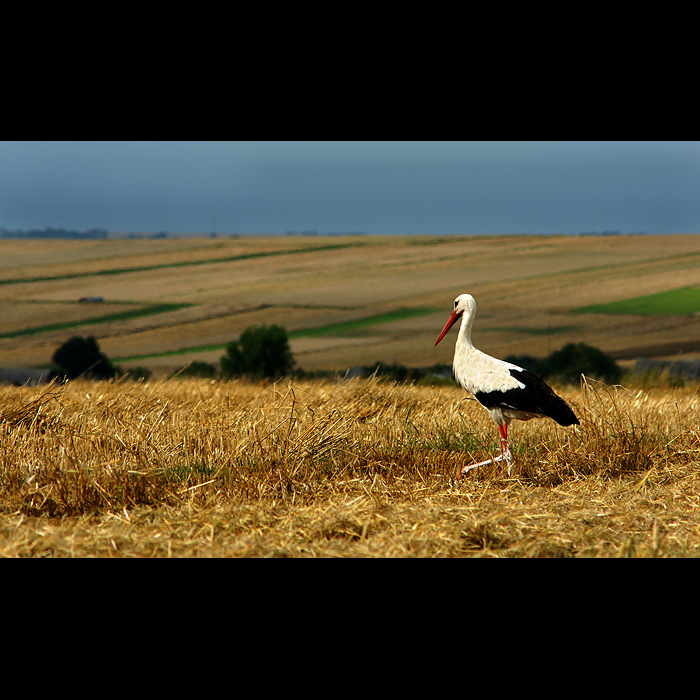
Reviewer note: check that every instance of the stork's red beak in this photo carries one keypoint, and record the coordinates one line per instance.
(448, 325)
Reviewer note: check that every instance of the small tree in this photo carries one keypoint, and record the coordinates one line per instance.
(261, 351)
(575, 359)
(82, 357)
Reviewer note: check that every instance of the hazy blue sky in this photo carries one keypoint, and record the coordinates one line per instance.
(466, 187)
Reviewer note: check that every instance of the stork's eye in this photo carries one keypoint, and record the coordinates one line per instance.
(455, 305)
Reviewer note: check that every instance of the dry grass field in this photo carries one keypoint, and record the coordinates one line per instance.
(359, 468)
(528, 289)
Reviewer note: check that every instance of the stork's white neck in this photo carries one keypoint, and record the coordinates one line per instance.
(464, 337)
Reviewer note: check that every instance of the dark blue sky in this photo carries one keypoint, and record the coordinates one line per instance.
(432, 187)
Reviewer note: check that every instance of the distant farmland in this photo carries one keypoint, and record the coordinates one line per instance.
(349, 301)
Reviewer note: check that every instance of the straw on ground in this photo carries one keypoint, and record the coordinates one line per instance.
(355, 468)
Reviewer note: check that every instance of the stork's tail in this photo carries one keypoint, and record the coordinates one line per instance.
(562, 413)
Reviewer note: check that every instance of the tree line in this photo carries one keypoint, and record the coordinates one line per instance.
(54, 233)
(263, 352)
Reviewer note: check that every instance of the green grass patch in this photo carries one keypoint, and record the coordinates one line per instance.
(685, 300)
(107, 318)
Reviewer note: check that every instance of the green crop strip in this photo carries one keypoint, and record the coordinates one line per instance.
(548, 330)
(107, 318)
(685, 300)
(360, 323)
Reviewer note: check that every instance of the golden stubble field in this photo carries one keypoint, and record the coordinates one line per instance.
(359, 468)
(527, 289)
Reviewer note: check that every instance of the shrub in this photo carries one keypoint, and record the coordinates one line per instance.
(82, 357)
(134, 373)
(575, 359)
(196, 368)
(260, 352)
(394, 371)
(568, 363)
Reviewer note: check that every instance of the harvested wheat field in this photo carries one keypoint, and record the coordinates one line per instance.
(359, 468)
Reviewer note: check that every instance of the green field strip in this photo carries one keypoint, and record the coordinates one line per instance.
(545, 330)
(329, 329)
(107, 318)
(173, 353)
(182, 263)
(360, 323)
(685, 300)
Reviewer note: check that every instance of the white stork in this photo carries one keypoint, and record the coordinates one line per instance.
(505, 390)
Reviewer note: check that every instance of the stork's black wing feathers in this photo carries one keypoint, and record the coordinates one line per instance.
(536, 397)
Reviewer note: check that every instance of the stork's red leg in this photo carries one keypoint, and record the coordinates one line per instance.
(506, 454)
(503, 430)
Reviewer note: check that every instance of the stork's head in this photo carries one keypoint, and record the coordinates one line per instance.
(464, 304)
